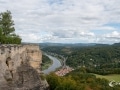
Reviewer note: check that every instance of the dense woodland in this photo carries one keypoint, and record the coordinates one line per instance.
(79, 80)
(96, 59)
(99, 59)
(7, 30)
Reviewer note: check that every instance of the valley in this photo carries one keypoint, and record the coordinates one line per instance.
(98, 64)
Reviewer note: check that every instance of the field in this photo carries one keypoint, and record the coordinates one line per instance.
(111, 77)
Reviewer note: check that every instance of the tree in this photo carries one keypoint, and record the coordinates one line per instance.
(0, 31)
(7, 35)
(0, 35)
(7, 23)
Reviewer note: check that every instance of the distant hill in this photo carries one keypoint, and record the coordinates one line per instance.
(116, 44)
(67, 44)
(72, 45)
(102, 45)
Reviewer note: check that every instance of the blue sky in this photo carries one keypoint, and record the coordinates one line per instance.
(65, 21)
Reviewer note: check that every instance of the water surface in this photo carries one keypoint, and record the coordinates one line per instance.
(56, 64)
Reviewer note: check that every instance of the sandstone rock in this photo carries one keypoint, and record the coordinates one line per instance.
(20, 68)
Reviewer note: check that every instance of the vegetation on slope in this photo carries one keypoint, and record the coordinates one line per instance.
(97, 59)
(46, 62)
(79, 80)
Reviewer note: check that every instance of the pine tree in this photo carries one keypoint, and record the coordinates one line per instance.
(7, 35)
(7, 23)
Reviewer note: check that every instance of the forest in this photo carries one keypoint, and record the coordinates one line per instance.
(96, 59)
(79, 79)
(89, 62)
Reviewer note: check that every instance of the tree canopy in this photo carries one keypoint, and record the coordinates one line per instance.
(97, 59)
(7, 30)
(77, 80)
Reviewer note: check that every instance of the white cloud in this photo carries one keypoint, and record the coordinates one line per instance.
(108, 38)
(63, 20)
(113, 35)
(105, 28)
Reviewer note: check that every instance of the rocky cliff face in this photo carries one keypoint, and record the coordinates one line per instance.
(20, 68)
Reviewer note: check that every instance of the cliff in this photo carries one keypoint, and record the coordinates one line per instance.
(20, 68)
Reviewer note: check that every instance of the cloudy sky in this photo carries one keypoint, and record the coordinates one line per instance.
(65, 21)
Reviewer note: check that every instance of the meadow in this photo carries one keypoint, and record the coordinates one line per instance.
(111, 77)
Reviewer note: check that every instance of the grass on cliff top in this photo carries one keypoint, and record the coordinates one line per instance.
(111, 77)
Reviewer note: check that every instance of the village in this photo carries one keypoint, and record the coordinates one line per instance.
(64, 71)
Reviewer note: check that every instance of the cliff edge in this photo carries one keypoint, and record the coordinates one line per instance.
(20, 68)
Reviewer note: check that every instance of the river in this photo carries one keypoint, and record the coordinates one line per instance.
(56, 64)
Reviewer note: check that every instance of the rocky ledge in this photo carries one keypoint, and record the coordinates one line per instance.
(20, 68)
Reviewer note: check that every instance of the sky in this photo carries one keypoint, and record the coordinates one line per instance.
(65, 21)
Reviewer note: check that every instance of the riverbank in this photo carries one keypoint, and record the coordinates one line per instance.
(56, 64)
(46, 62)
(64, 71)
(61, 70)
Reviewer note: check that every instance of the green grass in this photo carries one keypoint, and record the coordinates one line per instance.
(115, 77)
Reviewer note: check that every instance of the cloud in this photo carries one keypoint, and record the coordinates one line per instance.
(113, 35)
(64, 20)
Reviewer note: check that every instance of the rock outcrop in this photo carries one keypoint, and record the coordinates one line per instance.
(20, 68)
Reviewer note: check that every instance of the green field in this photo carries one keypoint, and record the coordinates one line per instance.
(115, 77)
